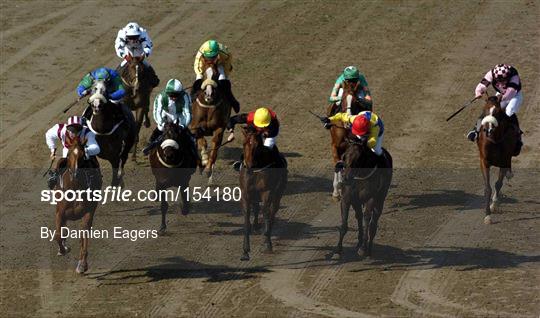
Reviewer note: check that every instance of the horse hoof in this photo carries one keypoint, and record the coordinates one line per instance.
(509, 175)
(336, 257)
(494, 207)
(245, 257)
(66, 250)
(184, 211)
(268, 250)
(81, 268)
(487, 220)
(162, 230)
(336, 198)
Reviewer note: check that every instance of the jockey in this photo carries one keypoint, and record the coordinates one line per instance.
(351, 73)
(217, 53)
(174, 105)
(115, 89)
(134, 41)
(505, 80)
(265, 122)
(65, 133)
(365, 124)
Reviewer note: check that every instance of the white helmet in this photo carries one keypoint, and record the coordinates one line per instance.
(133, 29)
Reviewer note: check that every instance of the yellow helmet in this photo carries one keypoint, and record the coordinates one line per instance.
(262, 117)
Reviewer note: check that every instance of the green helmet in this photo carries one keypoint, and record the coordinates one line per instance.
(101, 74)
(174, 87)
(351, 73)
(210, 49)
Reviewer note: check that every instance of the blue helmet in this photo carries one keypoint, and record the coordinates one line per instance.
(101, 74)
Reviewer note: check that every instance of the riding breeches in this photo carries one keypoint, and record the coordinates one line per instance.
(222, 74)
(512, 106)
(378, 146)
(270, 142)
(145, 62)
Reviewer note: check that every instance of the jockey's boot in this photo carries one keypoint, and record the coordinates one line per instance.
(473, 134)
(153, 76)
(195, 88)
(87, 112)
(153, 141)
(519, 144)
(53, 178)
(226, 85)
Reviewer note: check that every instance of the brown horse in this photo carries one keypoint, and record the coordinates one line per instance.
(211, 112)
(114, 135)
(80, 174)
(351, 104)
(173, 164)
(366, 180)
(139, 81)
(496, 144)
(262, 180)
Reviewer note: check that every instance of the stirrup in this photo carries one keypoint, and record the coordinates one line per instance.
(472, 135)
(237, 165)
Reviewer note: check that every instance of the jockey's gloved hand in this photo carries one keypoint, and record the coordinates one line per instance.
(53, 154)
(325, 120)
(327, 125)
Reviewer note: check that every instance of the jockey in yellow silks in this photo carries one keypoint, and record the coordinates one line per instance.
(216, 53)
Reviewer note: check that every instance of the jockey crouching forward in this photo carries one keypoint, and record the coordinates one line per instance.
(364, 125)
(114, 91)
(351, 74)
(215, 53)
(134, 41)
(265, 122)
(172, 104)
(66, 133)
(505, 80)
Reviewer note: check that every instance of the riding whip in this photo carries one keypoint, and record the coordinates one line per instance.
(50, 166)
(462, 108)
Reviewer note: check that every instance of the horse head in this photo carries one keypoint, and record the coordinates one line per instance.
(252, 144)
(76, 151)
(98, 97)
(350, 97)
(493, 116)
(170, 146)
(209, 86)
(358, 156)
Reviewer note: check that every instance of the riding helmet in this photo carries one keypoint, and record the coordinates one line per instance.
(262, 117)
(210, 49)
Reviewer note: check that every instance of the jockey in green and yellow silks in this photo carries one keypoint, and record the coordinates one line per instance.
(351, 73)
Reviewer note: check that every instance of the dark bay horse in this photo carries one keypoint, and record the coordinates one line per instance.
(173, 164)
(211, 112)
(114, 135)
(80, 174)
(139, 81)
(496, 144)
(350, 103)
(366, 180)
(262, 180)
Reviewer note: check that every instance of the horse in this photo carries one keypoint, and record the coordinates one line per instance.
(262, 180)
(173, 164)
(79, 174)
(115, 137)
(366, 180)
(339, 131)
(211, 112)
(496, 144)
(139, 80)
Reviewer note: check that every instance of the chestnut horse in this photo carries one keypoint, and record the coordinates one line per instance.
(79, 174)
(496, 144)
(139, 81)
(366, 180)
(211, 112)
(351, 104)
(172, 165)
(262, 180)
(115, 136)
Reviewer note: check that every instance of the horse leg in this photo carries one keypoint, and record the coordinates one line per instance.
(164, 208)
(184, 203)
(246, 207)
(60, 222)
(487, 192)
(345, 206)
(367, 217)
(139, 114)
(115, 164)
(216, 143)
(267, 213)
(256, 225)
(82, 265)
(498, 185)
(357, 206)
(201, 144)
(373, 224)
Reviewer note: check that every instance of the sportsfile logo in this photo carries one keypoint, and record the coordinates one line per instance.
(118, 194)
